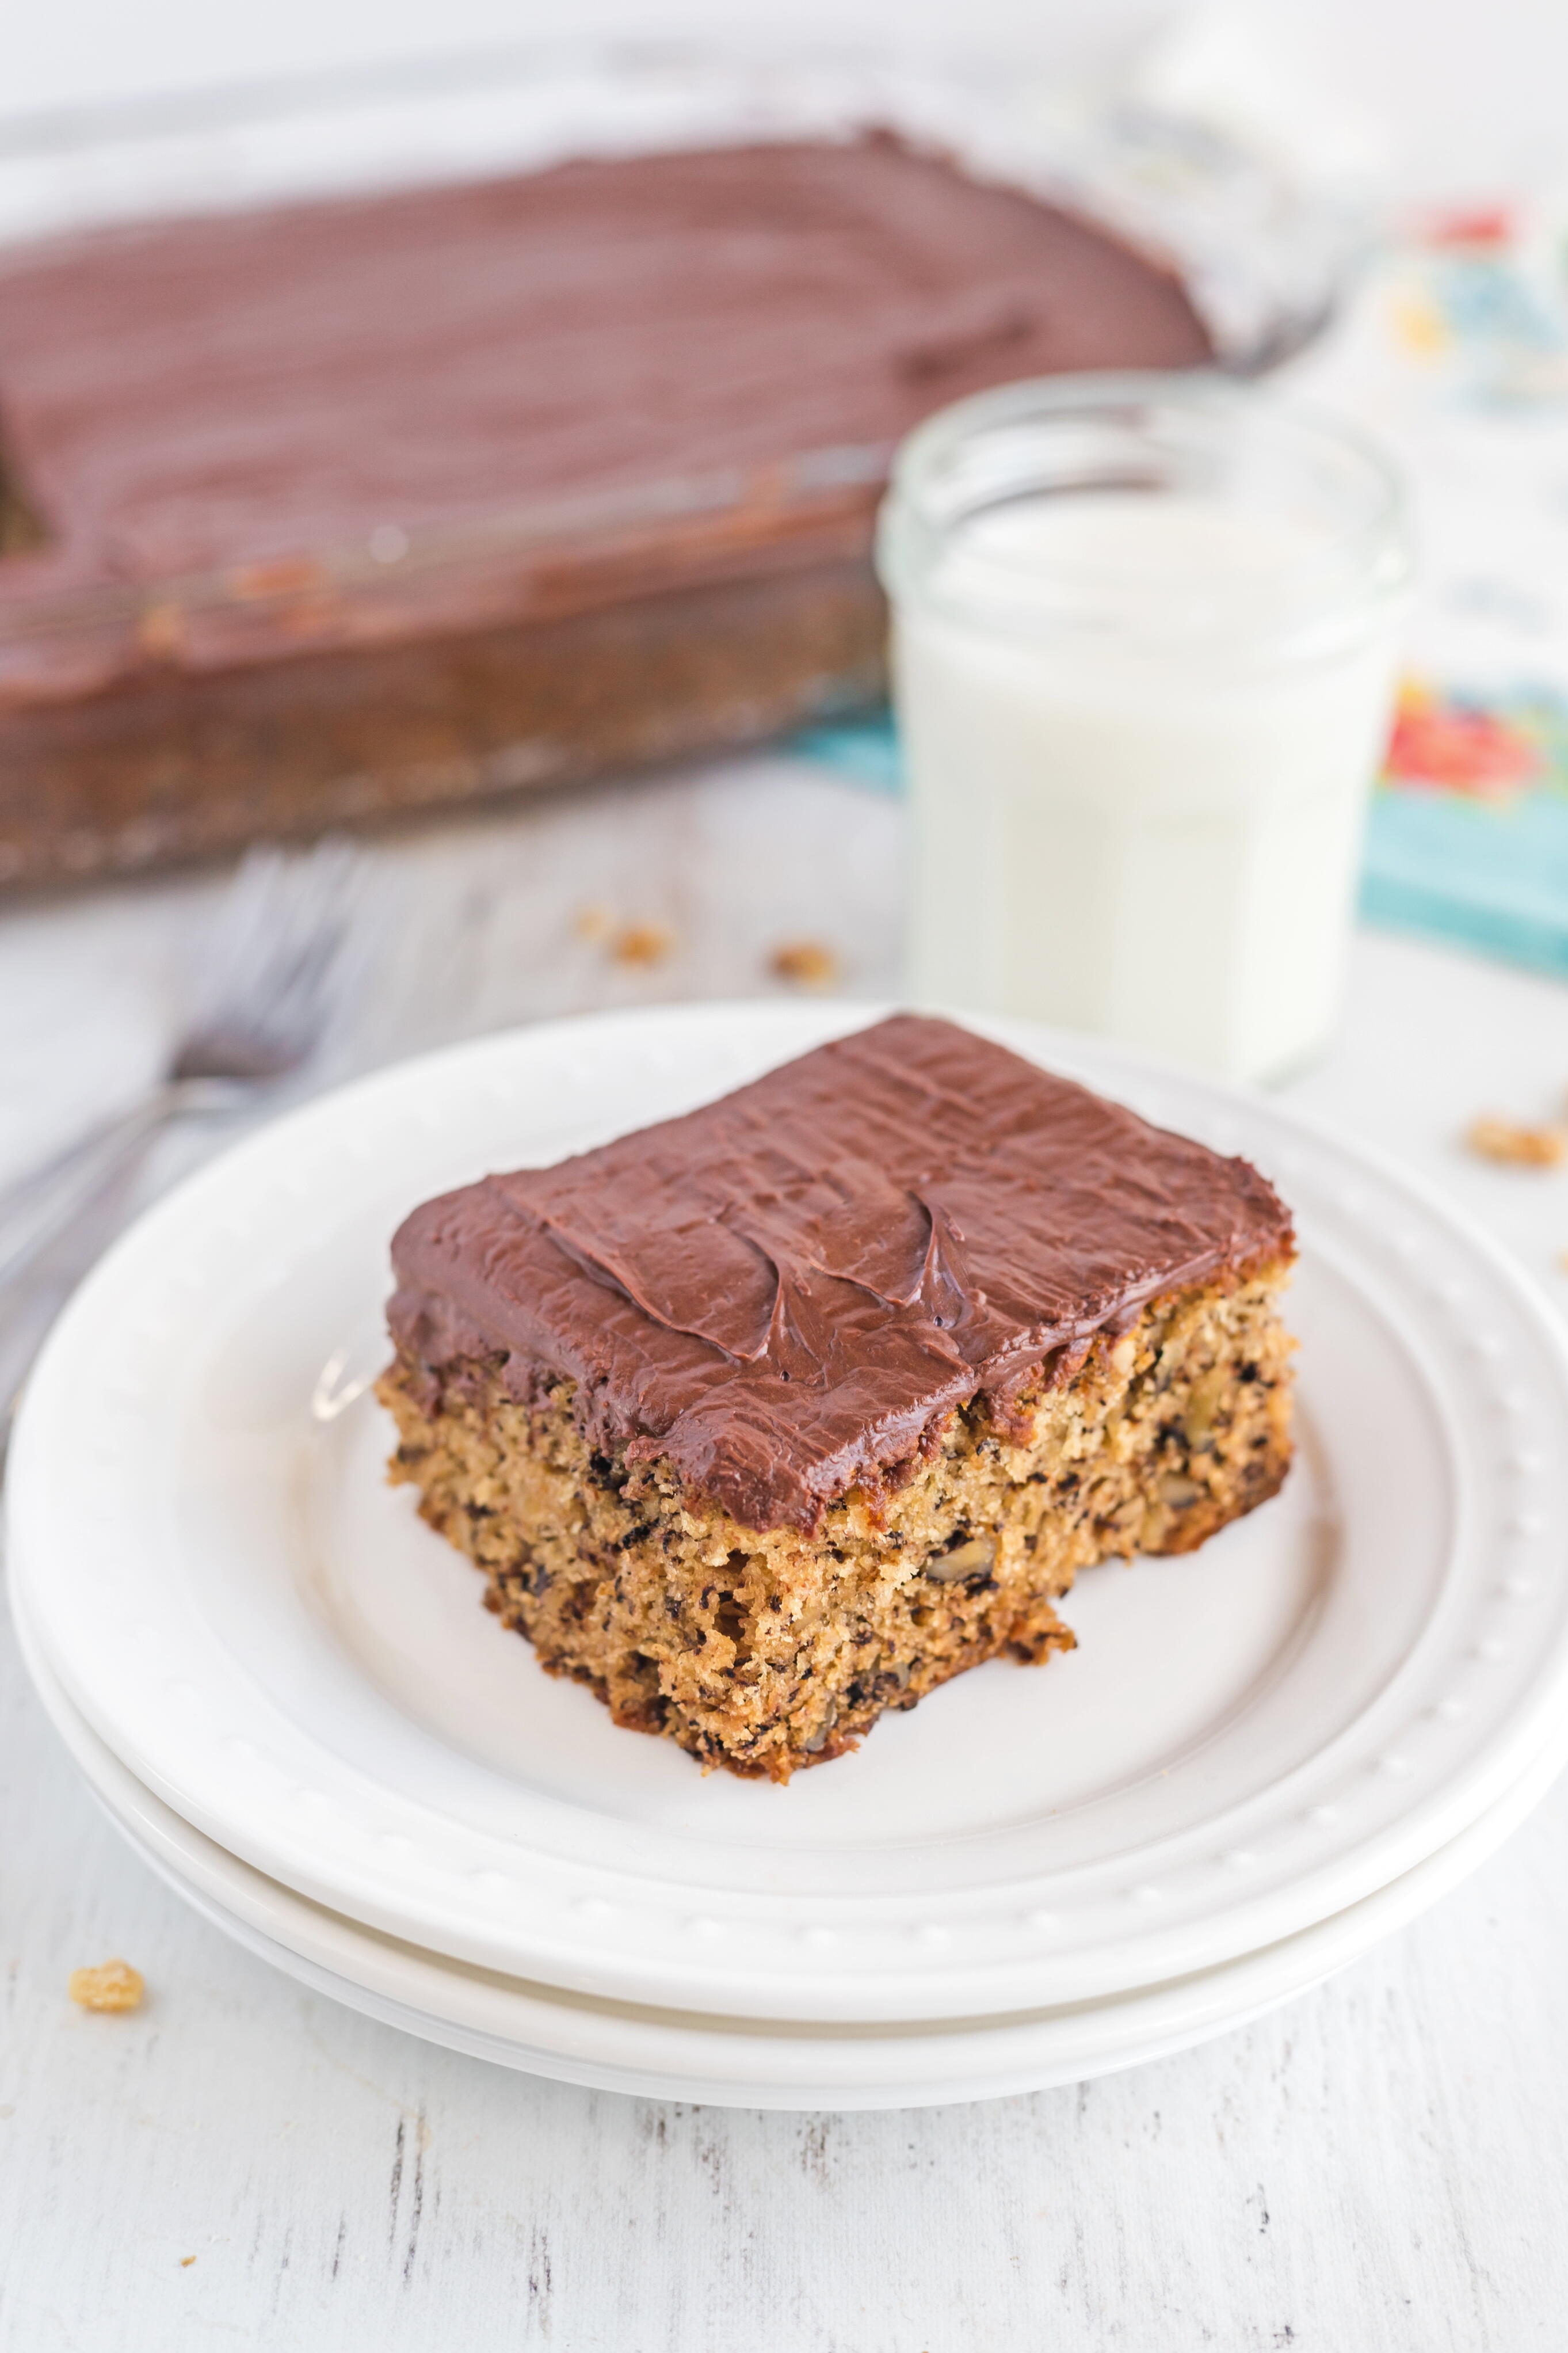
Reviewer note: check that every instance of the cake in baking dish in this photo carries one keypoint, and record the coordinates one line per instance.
(401, 501)
(770, 1418)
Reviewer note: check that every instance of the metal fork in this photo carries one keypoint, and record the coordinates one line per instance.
(261, 999)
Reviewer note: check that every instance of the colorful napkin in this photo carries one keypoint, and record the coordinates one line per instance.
(1454, 353)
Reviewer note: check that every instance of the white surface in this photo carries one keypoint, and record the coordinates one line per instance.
(517, 106)
(1375, 2169)
(1448, 99)
(739, 2063)
(271, 1640)
(87, 57)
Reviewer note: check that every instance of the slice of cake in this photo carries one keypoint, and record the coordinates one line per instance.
(765, 1420)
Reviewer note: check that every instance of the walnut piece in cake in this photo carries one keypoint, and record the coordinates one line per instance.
(111, 1985)
(1516, 1146)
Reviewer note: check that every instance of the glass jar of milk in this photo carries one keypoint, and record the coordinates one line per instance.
(1144, 641)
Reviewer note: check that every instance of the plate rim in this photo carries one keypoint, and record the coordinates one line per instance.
(1107, 1065)
(996, 2058)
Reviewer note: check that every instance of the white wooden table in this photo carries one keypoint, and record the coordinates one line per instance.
(243, 2163)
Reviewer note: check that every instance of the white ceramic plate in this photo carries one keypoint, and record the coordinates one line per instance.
(738, 2062)
(1247, 1741)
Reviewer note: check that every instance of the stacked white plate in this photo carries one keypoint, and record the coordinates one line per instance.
(283, 1689)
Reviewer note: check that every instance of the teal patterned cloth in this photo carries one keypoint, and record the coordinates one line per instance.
(1454, 355)
(1490, 871)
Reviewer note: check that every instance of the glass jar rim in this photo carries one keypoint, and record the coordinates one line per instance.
(994, 449)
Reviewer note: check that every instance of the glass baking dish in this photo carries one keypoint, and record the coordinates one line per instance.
(162, 710)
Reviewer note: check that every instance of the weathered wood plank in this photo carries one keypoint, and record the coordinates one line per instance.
(1375, 2169)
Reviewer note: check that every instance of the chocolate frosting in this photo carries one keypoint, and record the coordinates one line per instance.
(237, 400)
(785, 1292)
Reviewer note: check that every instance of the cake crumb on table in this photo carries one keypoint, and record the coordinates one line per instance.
(807, 962)
(1518, 1147)
(642, 944)
(185, 2262)
(112, 1985)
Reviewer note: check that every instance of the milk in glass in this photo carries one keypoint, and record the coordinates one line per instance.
(1144, 641)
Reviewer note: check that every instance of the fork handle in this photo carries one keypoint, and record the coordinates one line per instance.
(53, 1223)
(38, 1210)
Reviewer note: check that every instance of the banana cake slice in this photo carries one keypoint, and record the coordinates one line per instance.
(767, 1418)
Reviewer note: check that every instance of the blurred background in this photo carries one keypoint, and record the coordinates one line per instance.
(1369, 202)
(1456, 100)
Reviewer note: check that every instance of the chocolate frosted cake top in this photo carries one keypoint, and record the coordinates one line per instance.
(189, 394)
(780, 1292)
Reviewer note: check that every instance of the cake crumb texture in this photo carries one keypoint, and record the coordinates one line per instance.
(763, 1650)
